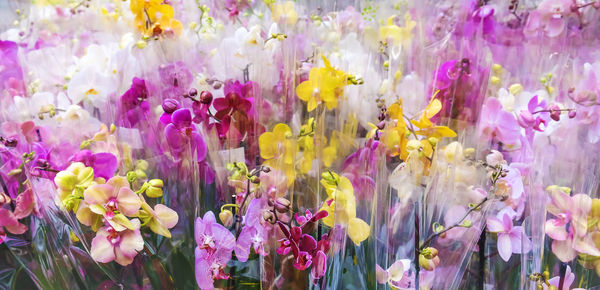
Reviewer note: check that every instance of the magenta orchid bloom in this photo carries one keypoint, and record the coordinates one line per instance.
(113, 200)
(214, 246)
(305, 249)
(510, 239)
(134, 104)
(105, 164)
(497, 123)
(534, 116)
(181, 132)
(568, 228)
(119, 246)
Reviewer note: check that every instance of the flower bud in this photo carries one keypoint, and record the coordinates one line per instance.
(226, 217)
(428, 259)
(206, 97)
(526, 119)
(572, 114)
(156, 183)
(268, 216)
(4, 198)
(15, 171)
(555, 112)
(170, 105)
(515, 89)
(494, 158)
(154, 192)
(282, 205)
(193, 92)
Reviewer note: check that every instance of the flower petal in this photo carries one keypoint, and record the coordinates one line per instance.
(102, 250)
(358, 230)
(98, 194)
(504, 246)
(166, 215)
(128, 201)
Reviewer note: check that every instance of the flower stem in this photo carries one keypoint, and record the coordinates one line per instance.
(456, 224)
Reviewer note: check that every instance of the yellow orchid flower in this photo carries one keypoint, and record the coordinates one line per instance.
(153, 17)
(72, 182)
(278, 150)
(341, 195)
(399, 35)
(284, 12)
(394, 135)
(323, 85)
(428, 128)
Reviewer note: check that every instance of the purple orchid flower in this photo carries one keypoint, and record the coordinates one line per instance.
(104, 164)
(12, 78)
(133, 103)
(214, 246)
(535, 115)
(360, 168)
(180, 132)
(254, 233)
(176, 77)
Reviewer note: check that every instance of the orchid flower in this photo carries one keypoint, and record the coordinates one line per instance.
(114, 201)
(568, 228)
(341, 207)
(214, 246)
(397, 275)
(254, 233)
(497, 123)
(510, 239)
(120, 246)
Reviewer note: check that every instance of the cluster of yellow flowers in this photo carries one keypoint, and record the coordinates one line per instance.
(154, 18)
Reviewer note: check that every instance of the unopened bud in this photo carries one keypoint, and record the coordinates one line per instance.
(526, 119)
(4, 198)
(226, 217)
(555, 112)
(572, 114)
(268, 216)
(282, 205)
(14, 172)
(193, 92)
(206, 97)
(156, 183)
(170, 105)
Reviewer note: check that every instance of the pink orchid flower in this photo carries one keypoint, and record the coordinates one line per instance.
(568, 228)
(254, 233)
(9, 220)
(215, 244)
(550, 16)
(497, 123)
(568, 280)
(396, 275)
(510, 239)
(119, 246)
(113, 200)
